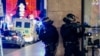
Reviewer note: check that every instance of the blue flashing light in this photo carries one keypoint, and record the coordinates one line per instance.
(40, 26)
(40, 23)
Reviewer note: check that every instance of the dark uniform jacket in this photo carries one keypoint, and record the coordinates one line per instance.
(69, 32)
(48, 33)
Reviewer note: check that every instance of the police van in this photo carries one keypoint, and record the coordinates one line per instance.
(28, 29)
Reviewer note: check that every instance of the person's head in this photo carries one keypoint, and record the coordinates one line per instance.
(71, 17)
(50, 22)
(47, 20)
(66, 20)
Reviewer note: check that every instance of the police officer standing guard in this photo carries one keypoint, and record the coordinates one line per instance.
(70, 36)
(49, 36)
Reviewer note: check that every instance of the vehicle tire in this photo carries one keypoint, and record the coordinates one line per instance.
(23, 45)
(19, 46)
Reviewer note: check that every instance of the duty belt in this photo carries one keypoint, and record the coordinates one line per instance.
(70, 42)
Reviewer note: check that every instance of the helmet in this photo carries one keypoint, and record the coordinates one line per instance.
(66, 20)
(70, 15)
(50, 21)
(45, 19)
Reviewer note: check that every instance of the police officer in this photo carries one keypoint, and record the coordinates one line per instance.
(49, 36)
(70, 36)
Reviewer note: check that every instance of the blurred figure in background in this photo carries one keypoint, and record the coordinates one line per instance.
(49, 36)
(4, 26)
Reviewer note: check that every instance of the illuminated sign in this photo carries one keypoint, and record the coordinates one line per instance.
(11, 6)
(32, 7)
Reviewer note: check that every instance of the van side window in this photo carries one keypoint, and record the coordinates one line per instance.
(27, 25)
(18, 24)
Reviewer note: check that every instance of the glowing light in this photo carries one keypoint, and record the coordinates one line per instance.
(95, 2)
(45, 4)
(27, 3)
(22, 7)
(31, 16)
(7, 18)
(30, 7)
(28, 39)
(40, 23)
(11, 6)
(11, 14)
(8, 21)
(22, 10)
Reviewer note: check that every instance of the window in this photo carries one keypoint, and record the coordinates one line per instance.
(27, 25)
(18, 24)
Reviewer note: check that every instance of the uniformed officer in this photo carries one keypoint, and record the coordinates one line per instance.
(70, 36)
(49, 36)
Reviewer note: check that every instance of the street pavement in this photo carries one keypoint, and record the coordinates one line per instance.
(36, 49)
